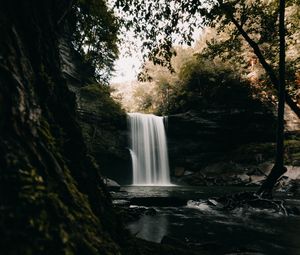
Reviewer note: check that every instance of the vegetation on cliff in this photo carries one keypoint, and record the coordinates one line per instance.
(94, 35)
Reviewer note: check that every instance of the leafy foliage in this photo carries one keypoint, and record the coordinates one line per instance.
(95, 35)
(157, 23)
(246, 30)
(208, 85)
(197, 84)
(96, 98)
(259, 19)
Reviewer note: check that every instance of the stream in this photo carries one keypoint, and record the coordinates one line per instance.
(255, 231)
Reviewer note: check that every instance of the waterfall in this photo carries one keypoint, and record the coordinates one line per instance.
(148, 148)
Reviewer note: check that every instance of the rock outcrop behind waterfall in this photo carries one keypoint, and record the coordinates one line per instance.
(199, 138)
(225, 146)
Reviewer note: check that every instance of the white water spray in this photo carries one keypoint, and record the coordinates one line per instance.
(148, 149)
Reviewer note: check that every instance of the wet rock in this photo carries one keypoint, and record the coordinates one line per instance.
(174, 242)
(244, 252)
(158, 201)
(256, 171)
(246, 200)
(151, 212)
(293, 187)
(235, 174)
(212, 202)
(129, 214)
(256, 180)
(179, 171)
(293, 210)
(111, 184)
(199, 138)
(121, 202)
(265, 168)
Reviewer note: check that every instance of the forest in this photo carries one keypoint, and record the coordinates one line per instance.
(198, 154)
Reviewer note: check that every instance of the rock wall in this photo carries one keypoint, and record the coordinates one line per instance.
(52, 198)
(229, 147)
(102, 120)
(197, 139)
(104, 128)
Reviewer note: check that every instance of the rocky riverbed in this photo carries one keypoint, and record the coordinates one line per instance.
(204, 222)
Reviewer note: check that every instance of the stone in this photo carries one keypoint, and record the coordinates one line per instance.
(293, 172)
(197, 139)
(111, 184)
(266, 167)
(256, 180)
(244, 178)
(179, 171)
(151, 212)
(212, 202)
(174, 242)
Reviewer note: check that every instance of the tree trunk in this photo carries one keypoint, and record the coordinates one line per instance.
(269, 70)
(278, 168)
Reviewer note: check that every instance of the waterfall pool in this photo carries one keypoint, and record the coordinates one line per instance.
(258, 232)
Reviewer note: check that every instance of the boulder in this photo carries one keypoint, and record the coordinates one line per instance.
(111, 184)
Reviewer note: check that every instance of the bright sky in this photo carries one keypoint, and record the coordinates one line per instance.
(127, 69)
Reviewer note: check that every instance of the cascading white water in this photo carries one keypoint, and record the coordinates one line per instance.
(148, 148)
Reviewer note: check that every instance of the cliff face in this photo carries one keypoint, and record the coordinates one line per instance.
(199, 138)
(52, 198)
(105, 131)
(228, 147)
(102, 120)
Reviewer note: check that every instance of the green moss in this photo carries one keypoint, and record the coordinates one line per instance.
(45, 133)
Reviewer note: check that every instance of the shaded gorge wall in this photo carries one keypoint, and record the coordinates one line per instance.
(199, 138)
(102, 120)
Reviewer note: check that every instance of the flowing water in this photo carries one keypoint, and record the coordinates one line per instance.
(253, 231)
(148, 149)
(258, 231)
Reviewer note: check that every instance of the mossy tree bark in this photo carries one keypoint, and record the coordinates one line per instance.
(52, 198)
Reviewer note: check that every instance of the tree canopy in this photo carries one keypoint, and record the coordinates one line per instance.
(95, 35)
(251, 25)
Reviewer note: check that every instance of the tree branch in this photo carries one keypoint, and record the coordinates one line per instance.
(293, 105)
